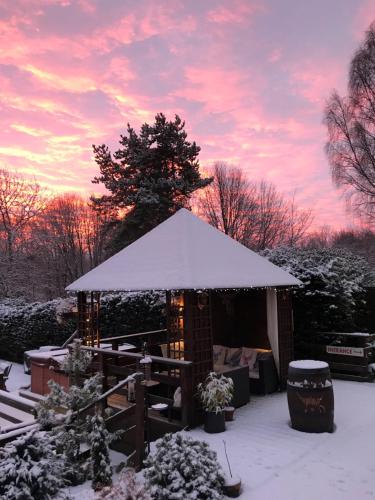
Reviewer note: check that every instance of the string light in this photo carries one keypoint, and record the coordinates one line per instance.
(198, 290)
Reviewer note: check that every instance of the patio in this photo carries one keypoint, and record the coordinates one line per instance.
(275, 461)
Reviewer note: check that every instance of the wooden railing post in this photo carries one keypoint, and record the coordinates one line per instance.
(187, 396)
(140, 416)
(103, 370)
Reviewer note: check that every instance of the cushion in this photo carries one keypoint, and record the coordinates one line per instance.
(219, 354)
(177, 398)
(248, 357)
(233, 356)
(164, 350)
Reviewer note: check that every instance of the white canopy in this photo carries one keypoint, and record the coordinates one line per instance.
(183, 253)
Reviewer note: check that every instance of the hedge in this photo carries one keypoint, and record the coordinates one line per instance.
(25, 326)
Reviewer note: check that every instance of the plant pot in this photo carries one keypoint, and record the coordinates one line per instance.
(229, 413)
(232, 487)
(214, 422)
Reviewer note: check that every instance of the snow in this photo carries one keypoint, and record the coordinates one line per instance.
(169, 258)
(17, 376)
(275, 461)
(352, 334)
(308, 364)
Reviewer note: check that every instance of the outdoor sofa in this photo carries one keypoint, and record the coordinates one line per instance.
(253, 368)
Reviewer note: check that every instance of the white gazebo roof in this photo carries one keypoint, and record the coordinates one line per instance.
(183, 253)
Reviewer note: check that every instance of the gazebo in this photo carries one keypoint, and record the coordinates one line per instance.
(217, 292)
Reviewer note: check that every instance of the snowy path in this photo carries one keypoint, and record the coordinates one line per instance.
(277, 462)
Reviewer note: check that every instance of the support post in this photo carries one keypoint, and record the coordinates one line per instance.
(187, 396)
(140, 416)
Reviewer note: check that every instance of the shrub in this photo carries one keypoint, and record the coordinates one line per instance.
(30, 469)
(125, 488)
(183, 468)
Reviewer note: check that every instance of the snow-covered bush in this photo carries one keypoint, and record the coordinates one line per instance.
(182, 468)
(26, 326)
(216, 392)
(332, 298)
(127, 487)
(76, 362)
(30, 469)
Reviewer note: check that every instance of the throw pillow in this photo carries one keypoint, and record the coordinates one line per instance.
(248, 357)
(219, 354)
(234, 356)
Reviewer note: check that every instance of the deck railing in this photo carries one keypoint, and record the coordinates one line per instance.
(168, 373)
(153, 337)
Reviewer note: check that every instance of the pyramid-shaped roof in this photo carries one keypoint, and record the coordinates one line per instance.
(183, 253)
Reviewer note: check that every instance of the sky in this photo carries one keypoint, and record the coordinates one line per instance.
(249, 77)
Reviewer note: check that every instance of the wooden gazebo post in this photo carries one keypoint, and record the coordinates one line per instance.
(88, 318)
(189, 327)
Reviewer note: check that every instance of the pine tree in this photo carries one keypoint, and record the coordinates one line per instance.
(76, 363)
(99, 439)
(152, 175)
(68, 430)
(30, 469)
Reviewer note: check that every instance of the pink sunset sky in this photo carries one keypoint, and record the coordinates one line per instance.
(249, 77)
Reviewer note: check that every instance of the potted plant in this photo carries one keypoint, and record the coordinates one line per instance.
(215, 394)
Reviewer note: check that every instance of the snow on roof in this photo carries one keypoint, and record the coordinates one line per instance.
(183, 253)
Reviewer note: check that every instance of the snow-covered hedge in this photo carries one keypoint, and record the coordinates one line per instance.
(26, 326)
(333, 295)
(125, 313)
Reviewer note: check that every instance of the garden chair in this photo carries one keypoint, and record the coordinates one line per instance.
(4, 371)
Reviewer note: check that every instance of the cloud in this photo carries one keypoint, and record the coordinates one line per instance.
(249, 77)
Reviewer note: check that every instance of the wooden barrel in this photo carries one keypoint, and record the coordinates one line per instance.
(310, 396)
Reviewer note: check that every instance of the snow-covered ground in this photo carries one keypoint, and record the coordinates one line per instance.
(17, 377)
(277, 462)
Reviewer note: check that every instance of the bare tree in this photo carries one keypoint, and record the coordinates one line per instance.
(75, 235)
(298, 222)
(271, 218)
(229, 203)
(257, 215)
(21, 200)
(321, 238)
(351, 131)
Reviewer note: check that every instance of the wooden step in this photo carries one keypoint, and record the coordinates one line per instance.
(32, 396)
(17, 401)
(4, 423)
(14, 415)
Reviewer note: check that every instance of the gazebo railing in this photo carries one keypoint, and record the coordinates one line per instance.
(167, 374)
(152, 338)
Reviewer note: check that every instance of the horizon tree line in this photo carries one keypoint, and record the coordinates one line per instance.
(46, 242)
